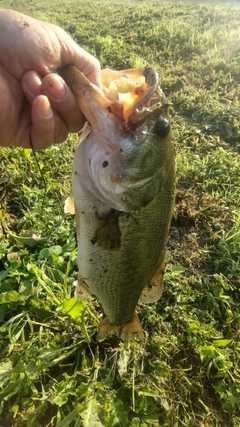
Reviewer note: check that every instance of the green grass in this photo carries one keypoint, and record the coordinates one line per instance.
(53, 372)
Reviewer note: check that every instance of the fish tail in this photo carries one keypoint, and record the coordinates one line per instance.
(128, 331)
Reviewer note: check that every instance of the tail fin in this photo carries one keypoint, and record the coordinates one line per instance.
(128, 331)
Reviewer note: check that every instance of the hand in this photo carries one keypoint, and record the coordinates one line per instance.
(36, 104)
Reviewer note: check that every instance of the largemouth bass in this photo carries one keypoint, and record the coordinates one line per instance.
(123, 190)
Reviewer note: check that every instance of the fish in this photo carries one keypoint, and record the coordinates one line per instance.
(123, 190)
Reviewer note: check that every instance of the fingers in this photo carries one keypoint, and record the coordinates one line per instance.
(31, 85)
(63, 101)
(66, 115)
(72, 54)
(45, 127)
(89, 66)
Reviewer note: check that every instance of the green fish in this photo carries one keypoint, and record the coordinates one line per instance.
(123, 191)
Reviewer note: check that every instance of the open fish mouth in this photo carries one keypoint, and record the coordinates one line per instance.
(130, 97)
(134, 90)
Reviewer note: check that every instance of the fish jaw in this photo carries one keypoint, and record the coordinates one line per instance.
(95, 107)
(122, 107)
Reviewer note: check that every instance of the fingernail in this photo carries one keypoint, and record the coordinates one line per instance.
(34, 84)
(45, 109)
(56, 88)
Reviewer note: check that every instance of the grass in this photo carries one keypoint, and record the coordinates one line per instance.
(53, 372)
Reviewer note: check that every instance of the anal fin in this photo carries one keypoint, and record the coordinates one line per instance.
(153, 291)
(129, 331)
(82, 291)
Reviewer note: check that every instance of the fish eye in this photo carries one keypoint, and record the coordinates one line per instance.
(161, 128)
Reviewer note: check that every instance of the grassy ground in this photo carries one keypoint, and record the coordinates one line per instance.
(53, 372)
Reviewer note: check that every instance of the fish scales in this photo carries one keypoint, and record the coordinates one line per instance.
(123, 199)
(120, 299)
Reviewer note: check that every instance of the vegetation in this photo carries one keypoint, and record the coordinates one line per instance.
(53, 372)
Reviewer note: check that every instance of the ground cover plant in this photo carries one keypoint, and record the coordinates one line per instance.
(186, 372)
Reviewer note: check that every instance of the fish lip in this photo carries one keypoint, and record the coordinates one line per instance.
(142, 111)
(152, 79)
(139, 117)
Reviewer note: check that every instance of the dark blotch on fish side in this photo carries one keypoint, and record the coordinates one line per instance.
(108, 233)
(105, 164)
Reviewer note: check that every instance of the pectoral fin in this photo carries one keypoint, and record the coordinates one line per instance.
(69, 205)
(153, 291)
(108, 233)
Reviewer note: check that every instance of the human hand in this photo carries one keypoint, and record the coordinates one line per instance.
(37, 107)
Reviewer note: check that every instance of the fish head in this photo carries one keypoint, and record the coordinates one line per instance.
(128, 150)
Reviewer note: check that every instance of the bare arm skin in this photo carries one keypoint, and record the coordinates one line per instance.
(36, 104)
